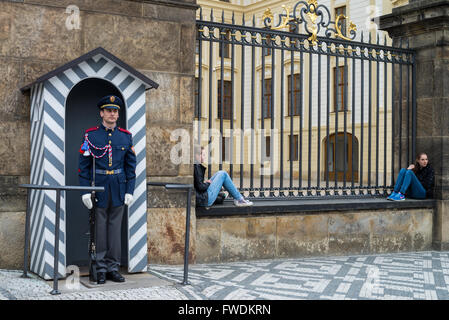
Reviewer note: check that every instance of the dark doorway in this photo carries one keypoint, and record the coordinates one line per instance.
(81, 114)
(338, 160)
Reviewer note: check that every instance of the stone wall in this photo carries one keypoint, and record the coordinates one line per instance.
(313, 234)
(155, 37)
(424, 24)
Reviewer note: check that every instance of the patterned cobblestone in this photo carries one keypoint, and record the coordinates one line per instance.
(416, 275)
(13, 287)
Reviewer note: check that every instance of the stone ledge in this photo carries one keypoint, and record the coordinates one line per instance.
(315, 233)
(262, 207)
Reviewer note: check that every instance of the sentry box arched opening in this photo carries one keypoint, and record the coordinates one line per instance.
(63, 105)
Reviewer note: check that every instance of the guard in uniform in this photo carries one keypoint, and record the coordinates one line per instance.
(112, 150)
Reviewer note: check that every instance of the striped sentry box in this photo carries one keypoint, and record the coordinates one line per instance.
(48, 97)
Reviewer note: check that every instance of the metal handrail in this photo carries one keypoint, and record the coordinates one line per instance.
(189, 188)
(58, 190)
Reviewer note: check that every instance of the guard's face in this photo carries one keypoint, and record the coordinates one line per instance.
(109, 116)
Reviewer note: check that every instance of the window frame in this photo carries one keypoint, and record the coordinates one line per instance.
(296, 94)
(340, 86)
(295, 147)
(267, 96)
(341, 10)
(227, 84)
(226, 46)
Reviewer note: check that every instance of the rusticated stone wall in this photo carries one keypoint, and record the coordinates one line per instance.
(313, 234)
(424, 25)
(155, 37)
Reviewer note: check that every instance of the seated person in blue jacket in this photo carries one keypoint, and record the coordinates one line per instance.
(207, 191)
(416, 181)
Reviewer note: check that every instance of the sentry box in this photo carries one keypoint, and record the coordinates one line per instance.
(63, 106)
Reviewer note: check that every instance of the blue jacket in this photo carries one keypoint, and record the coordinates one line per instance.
(123, 159)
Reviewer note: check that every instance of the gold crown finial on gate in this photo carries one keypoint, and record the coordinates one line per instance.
(313, 2)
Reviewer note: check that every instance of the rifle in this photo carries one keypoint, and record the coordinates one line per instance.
(93, 235)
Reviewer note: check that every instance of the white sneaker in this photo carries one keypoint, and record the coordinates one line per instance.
(243, 203)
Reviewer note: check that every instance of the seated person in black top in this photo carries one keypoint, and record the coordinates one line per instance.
(416, 181)
(207, 191)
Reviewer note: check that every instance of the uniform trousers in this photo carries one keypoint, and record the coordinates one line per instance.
(108, 226)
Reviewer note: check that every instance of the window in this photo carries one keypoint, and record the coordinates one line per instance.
(267, 99)
(296, 94)
(225, 149)
(227, 99)
(267, 51)
(339, 88)
(196, 99)
(197, 47)
(342, 21)
(268, 147)
(225, 46)
(293, 28)
(293, 149)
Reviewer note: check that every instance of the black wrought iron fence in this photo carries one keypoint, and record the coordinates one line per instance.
(301, 108)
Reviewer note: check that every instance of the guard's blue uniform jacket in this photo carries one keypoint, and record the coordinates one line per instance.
(123, 162)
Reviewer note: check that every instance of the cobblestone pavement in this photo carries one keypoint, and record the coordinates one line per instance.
(421, 275)
(13, 287)
(416, 275)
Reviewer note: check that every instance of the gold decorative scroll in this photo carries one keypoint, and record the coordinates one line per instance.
(352, 27)
(268, 14)
(313, 36)
(285, 19)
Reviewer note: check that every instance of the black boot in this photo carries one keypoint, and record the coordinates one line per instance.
(101, 277)
(115, 276)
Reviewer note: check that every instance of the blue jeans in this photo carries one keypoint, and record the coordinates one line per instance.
(219, 179)
(408, 182)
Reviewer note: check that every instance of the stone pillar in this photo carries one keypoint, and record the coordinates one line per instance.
(424, 24)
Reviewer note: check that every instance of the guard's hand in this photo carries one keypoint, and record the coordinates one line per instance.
(87, 200)
(128, 199)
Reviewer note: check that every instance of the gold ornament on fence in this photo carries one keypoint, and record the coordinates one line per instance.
(313, 24)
